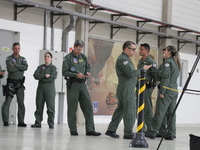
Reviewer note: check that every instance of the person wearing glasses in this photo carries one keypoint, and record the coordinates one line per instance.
(150, 82)
(167, 97)
(76, 69)
(127, 79)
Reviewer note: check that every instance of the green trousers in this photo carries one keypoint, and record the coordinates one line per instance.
(126, 109)
(163, 125)
(79, 93)
(45, 94)
(164, 106)
(20, 100)
(148, 108)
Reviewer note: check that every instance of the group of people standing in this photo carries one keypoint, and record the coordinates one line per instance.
(76, 70)
(166, 75)
(75, 67)
(45, 74)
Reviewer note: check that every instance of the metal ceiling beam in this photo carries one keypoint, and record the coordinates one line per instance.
(88, 17)
(131, 15)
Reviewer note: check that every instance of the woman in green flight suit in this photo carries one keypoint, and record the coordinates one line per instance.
(46, 74)
(167, 97)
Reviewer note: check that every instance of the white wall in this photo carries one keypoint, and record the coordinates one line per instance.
(149, 9)
(189, 107)
(186, 13)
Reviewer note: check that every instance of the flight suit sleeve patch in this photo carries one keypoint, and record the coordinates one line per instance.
(72, 68)
(125, 62)
(167, 65)
(154, 65)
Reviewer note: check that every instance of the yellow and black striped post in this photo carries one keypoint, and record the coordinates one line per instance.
(139, 137)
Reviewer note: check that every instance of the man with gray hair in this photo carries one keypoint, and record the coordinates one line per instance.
(127, 78)
(76, 69)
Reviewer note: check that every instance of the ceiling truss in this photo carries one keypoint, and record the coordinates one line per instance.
(115, 26)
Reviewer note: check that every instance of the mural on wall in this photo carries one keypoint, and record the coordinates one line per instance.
(102, 55)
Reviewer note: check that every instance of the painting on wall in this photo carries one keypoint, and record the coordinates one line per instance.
(102, 55)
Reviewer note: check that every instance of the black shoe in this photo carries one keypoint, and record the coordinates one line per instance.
(149, 135)
(93, 133)
(74, 133)
(35, 126)
(170, 137)
(158, 135)
(21, 125)
(51, 126)
(128, 137)
(5, 124)
(111, 134)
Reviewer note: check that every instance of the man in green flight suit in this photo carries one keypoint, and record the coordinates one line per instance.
(16, 65)
(167, 97)
(76, 69)
(127, 78)
(150, 82)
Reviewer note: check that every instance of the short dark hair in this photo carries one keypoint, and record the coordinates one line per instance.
(79, 43)
(127, 44)
(49, 54)
(146, 46)
(14, 44)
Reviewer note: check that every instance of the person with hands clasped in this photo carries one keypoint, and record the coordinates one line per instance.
(76, 69)
(46, 75)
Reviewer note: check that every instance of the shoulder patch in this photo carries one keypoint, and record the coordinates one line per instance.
(72, 68)
(125, 62)
(167, 65)
(154, 65)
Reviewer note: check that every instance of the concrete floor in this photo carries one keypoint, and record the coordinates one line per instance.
(18, 138)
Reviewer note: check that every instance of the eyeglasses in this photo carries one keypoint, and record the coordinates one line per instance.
(132, 48)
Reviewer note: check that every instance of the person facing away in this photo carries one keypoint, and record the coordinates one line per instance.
(16, 65)
(150, 82)
(168, 94)
(127, 78)
(76, 69)
(46, 75)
